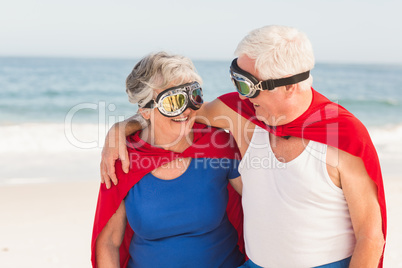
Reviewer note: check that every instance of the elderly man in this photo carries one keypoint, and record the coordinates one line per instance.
(312, 188)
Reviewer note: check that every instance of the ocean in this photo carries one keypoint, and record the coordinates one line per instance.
(59, 106)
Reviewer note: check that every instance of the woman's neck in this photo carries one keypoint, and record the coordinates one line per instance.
(174, 144)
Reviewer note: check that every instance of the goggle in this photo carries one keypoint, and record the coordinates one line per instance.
(175, 100)
(249, 86)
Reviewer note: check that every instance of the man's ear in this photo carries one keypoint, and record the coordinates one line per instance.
(145, 113)
(290, 89)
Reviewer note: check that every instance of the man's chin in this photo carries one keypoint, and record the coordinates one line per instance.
(262, 119)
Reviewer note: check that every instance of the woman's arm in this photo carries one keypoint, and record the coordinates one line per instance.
(237, 184)
(110, 239)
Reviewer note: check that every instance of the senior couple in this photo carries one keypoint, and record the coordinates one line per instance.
(296, 184)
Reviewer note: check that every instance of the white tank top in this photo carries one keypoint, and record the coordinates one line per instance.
(294, 215)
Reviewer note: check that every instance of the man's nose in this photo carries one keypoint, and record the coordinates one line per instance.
(242, 97)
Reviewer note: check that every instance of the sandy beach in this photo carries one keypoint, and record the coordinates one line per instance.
(47, 207)
(47, 224)
(50, 224)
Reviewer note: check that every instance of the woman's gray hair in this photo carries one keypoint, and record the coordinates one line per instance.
(158, 71)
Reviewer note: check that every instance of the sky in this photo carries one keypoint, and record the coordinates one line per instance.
(346, 31)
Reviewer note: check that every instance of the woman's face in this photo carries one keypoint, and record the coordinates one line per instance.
(172, 129)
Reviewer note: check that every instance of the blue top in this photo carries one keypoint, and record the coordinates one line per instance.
(183, 222)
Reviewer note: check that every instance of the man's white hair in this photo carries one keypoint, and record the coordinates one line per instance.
(278, 51)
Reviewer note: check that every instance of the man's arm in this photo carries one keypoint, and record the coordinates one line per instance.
(214, 113)
(115, 148)
(361, 195)
(109, 240)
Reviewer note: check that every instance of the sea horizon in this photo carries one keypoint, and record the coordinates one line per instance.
(52, 108)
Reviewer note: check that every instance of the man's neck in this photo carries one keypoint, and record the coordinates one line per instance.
(296, 106)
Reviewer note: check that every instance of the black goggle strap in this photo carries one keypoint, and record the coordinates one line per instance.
(273, 83)
(270, 84)
(151, 104)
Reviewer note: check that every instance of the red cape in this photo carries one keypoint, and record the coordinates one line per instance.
(208, 143)
(329, 123)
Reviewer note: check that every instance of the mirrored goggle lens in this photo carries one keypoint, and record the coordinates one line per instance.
(174, 102)
(196, 97)
(241, 86)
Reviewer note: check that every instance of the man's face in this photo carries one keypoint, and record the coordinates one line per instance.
(268, 104)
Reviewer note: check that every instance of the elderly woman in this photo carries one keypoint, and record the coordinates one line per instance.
(180, 210)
